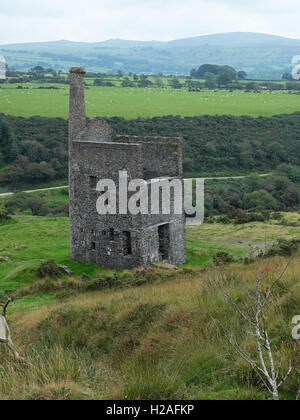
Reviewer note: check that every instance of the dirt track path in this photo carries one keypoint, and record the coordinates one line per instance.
(8, 194)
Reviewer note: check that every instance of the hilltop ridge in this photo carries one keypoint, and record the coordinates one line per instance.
(262, 56)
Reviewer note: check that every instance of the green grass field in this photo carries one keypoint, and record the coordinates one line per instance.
(29, 240)
(133, 103)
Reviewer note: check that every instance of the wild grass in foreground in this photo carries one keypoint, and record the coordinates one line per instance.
(148, 334)
(157, 341)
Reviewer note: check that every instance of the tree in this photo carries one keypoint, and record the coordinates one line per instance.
(260, 200)
(175, 84)
(242, 75)
(224, 79)
(6, 339)
(215, 69)
(101, 82)
(253, 182)
(9, 144)
(293, 86)
(287, 76)
(159, 81)
(37, 206)
(144, 81)
(292, 172)
(202, 70)
(193, 86)
(210, 84)
(194, 74)
(252, 86)
(254, 317)
(276, 152)
(37, 72)
(210, 80)
(127, 83)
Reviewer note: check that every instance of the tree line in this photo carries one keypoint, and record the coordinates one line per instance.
(35, 150)
(253, 198)
(207, 76)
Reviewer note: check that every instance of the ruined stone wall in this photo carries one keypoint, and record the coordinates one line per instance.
(162, 156)
(97, 130)
(98, 238)
(77, 114)
(177, 242)
(96, 152)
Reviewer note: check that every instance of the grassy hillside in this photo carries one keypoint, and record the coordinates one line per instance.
(158, 340)
(146, 103)
(261, 56)
(29, 240)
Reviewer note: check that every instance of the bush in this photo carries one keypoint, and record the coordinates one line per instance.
(65, 287)
(242, 217)
(65, 192)
(37, 206)
(249, 260)
(62, 210)
(260, 199)
(284, 248)
(16, 203)
(210, 220)
(222, 258)
(225, 220)
(49, 268)
(276, 216)
(4, 217)
(58, 208)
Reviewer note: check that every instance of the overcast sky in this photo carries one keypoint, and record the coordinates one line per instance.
(98, 20)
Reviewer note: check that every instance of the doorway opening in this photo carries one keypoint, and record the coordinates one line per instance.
(164, 242)
(127, 244)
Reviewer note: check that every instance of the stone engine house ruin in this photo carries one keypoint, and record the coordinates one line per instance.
(96, 152)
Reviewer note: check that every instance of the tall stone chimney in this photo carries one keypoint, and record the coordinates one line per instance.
(77, 114)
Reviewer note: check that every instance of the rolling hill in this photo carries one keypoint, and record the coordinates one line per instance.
(262, 56)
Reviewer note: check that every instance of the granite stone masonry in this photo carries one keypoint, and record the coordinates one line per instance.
(96, 152)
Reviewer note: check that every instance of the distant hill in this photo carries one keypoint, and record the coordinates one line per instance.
(234, 38)
(262, 56)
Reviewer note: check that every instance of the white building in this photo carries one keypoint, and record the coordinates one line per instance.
(2, 67)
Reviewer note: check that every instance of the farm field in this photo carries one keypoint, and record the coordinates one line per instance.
(131, 103)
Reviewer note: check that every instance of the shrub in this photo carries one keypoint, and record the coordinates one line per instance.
(210, 220)
(284, 248)
(65, 287)
(37, 206)
(49, 268)
(62, 211)
(249, 260)
(276, 216)
(287, 248)
(4, 217)
(16, 202)
(225, 220)
(222, 258)
(242, 217)
(65, 192)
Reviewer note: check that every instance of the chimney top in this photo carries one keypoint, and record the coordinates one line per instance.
(79, 70)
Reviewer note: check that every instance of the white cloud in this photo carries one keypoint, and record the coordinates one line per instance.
(97, 20)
